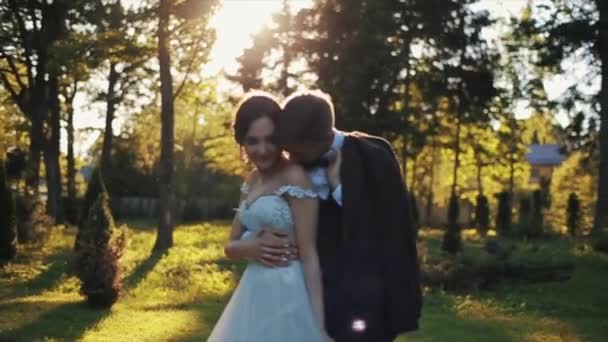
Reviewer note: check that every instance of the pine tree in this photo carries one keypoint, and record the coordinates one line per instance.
(503, 219)
(97, 258)
(574, 214)
(94, 189)
(451, 240)
(482, 214)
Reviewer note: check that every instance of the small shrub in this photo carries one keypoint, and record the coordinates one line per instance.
(482, 215)
(537, 219)
(573, 214)
(503, 218)
(98, 255)
(452, 241)
(8, 219)
(94, 189)
(33, 223)
(599, 241)
(524, 224)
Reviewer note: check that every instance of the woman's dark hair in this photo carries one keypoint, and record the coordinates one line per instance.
(254, 105)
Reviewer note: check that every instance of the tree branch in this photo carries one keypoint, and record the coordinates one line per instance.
(189, 69)
(26, 47)
(14, 70)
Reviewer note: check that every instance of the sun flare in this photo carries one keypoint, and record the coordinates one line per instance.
(236, 21)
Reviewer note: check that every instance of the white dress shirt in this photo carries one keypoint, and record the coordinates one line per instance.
(318, 175)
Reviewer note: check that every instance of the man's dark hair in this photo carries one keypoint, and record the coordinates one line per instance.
(307, 117)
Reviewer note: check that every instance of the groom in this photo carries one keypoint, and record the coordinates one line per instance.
(366, 239)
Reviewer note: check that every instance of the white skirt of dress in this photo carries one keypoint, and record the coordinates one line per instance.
(268, 305)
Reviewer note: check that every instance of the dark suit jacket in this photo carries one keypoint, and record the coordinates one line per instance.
(380, 271)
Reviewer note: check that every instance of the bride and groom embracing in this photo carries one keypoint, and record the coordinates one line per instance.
(324, 221)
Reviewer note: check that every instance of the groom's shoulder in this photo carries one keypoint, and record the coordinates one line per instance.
(370, 142)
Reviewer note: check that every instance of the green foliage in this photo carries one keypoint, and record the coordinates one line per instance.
(540, 128)
(15, 162)
(94, 190)
(33, 223)
(599, 241)
(503, 217)
(98, 255)
(8, 218)
(574, 214)
(190, 287)
(452, 240)
(574, 175)
(525, 221)
(482, 214)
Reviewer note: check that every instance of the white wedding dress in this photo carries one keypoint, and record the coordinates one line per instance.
(269, 304)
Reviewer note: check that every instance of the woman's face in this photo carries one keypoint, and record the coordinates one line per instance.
(259, 144)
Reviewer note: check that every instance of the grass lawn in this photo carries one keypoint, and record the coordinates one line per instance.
(179, 296)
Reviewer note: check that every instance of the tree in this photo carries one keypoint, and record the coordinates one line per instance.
(565, 30)
(186, 10)
(164, 238)
(97, 258)
(31, 30)
(503, 217)
(482, 214)
(8, 218)
(574, 214)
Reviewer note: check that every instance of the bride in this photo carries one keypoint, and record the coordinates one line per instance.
(281, 303)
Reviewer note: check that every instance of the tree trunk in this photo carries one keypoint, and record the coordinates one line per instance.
(429, 200)
(37, 104)
(164, 239)
(106, 151)
(51, 153)
(406, 108)
(32, 172)
(457, 147)
(479, 183)
(404, 158)
(413, 181)
(600, 221)
(71, 199)
(511, 175)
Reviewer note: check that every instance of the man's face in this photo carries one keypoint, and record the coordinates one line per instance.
(306, 152)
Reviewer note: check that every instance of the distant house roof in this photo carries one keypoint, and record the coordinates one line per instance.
(544, 154)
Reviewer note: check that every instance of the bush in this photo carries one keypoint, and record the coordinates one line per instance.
(524, 224)
(94, 190)
(573, 176)
(16, 160)
(451, 240)
(537, 220)
(503, 218)
(97, 258)
(482, 215)
(599, 241)
(33, 223)
(8, 218)
(574, 214)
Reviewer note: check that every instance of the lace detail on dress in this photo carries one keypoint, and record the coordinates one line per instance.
(296, 191)
(245, 188)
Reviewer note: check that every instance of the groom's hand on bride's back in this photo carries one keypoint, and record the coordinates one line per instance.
(275, 248)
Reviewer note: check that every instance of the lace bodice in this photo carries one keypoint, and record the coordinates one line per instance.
(271, 210)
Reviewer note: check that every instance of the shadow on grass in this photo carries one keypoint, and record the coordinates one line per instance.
(67, 321)
(141, 271)
(46, 280)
